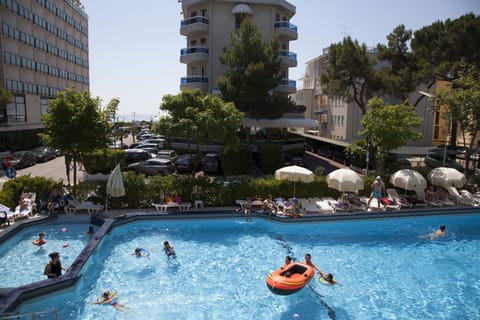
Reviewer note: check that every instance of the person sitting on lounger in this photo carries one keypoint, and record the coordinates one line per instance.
(270, 205)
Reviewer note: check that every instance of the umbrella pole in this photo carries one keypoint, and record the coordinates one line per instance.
(294, 189)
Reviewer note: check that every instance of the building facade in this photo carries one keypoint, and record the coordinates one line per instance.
(339, 120)
(44, 50)
(207, 26)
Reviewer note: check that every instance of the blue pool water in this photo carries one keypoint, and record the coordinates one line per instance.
(22, 262)
(385, 271)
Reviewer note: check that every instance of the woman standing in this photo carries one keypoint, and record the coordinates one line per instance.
(54, 268)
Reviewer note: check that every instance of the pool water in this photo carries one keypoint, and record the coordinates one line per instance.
(385, 271)
(23, 263)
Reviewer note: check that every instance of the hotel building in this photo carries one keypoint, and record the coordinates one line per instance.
(207, 26)
(44, 49)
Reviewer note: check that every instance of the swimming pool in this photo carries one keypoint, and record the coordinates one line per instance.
(22, 262)
(385, 270)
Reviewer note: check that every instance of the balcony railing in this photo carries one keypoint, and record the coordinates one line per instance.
(288, 58)
(191, 50)
(193, 79)
(285, 28)
(193, 26)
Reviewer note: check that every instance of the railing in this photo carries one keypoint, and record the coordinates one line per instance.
(193, 79)
(288, 83)
(192, 20)
(288, 54)
(286, 25)
(191, 50)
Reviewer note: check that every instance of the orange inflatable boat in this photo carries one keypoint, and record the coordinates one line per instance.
(290, 279)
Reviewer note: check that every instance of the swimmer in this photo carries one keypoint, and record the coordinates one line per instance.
(168, 249)
(90, 230)
(139, 252)
(327, 277)
(110, 298)
(41, 239)
(440, 232)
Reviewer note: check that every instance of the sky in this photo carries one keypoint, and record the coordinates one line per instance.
(135, 45)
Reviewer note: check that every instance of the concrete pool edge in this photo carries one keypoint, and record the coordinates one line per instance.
(10, 298)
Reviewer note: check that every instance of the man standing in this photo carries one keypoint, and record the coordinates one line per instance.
(378, 191)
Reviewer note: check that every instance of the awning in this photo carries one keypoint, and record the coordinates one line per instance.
(280, 123)
(242, 8)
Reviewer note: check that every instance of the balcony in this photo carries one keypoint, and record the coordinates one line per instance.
(286, 30)
(194, 55)
(194, 82)
(194, 26)
(288, 58)
(287, 86)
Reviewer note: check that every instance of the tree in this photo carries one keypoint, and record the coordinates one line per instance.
(74, 124)
(5, 98)
(397, 72)
(253, 75)
(202, 118)
(350, 73)
(461, 105)
(447, 50)
(389, 127)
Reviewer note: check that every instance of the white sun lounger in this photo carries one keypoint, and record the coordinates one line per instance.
(75, 205)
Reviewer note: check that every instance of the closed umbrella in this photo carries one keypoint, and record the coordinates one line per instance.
(295, 174)
(115, 187)
(344, 180)
(408, 179)
(447, 177)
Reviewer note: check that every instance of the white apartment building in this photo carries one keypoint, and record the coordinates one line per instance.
(207, 26)
(44, 49)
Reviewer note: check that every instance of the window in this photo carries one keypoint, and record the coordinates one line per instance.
(43, 105)
(16, 111)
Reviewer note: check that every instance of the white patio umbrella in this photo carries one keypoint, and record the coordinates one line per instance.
(344, 180)
(115, 187)
(295, 174)
(447, 177)
(408, 179)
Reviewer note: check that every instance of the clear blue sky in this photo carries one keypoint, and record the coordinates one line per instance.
(135, 45)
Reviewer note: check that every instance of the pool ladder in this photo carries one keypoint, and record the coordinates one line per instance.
(45, 314)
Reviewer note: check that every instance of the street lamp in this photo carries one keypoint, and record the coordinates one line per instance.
(431, 96)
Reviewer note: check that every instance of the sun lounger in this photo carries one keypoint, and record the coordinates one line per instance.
(461, 199)
(307, 206)
(402, 201)
(75, 205)
(162, 207)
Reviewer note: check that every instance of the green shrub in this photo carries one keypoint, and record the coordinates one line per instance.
(103, 161)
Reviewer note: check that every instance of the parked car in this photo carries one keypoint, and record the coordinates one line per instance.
(184, 163)
(23, 159)
(158, 141)
(118, 145)
(167, 154)
(153, 167)
(211, 163)
(434, 160)
(44, 154)
(150, 147)
(136, 155)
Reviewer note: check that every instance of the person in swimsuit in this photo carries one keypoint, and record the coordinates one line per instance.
(54, 268)
(168, 249)
(378, 191)
(41, 239)
(110, 298)
(308, 261)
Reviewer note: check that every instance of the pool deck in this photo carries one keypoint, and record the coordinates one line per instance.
(10, 298)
